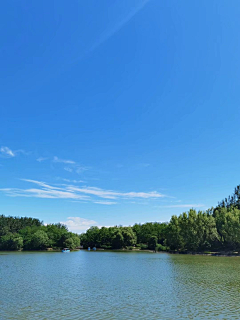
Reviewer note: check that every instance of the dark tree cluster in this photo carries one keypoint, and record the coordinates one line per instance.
(109, 238)
(30, 234)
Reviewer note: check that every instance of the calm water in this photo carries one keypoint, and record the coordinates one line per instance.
(116, 285)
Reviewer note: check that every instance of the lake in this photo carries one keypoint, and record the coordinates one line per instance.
(118, 285)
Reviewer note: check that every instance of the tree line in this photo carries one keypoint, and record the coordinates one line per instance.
(31, 234)
(216, 229)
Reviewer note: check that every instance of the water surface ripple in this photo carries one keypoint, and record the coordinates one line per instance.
(118, 285)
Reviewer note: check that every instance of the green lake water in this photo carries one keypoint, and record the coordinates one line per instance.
(118, 285)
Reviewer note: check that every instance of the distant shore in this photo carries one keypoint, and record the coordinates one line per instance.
(214, 254)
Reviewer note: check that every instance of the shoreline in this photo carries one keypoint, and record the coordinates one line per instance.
(212, 254)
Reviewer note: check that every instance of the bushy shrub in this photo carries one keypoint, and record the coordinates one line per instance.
(11, 242)
(160, 247)
(143, 246)
(152, 243)
(106, 247)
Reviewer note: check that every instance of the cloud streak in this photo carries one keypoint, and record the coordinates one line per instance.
(40, 159)
(108, 203)
(118, 25)
(90, 194)
(71, 181)
(6, 152)
(56, 159)
(72, 165)
(110, 194)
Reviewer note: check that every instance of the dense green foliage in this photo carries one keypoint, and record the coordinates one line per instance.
(30, 234)
(113, 237)
(231, 201)
(215, 229)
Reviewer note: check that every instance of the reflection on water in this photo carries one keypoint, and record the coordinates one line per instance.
(115, 285)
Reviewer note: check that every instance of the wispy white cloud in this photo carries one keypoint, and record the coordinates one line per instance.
(56, 159)
(21, 151)
(40, 159)
(7, 152)
(42, 193)
(77, 224)
(108, 203)
(72, 165)
(71, 181)
(109, 194)
(41, 184)
(81, 169)
(72, 192)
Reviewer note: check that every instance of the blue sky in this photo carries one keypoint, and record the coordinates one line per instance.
(116, 112)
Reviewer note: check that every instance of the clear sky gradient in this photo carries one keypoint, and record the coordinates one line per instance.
(117, 111)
